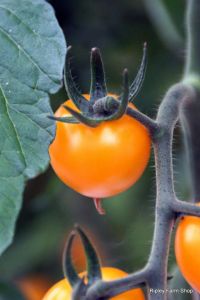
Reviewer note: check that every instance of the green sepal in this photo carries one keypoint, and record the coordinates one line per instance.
(68, 267)
(93, 263)
(124, 99)
(82, 118)
(81, 103)
(139, 79)
(101, 107)
(98, 87)
(71, 120)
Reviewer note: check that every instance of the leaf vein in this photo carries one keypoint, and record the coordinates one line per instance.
(10, 119)
(26, 54)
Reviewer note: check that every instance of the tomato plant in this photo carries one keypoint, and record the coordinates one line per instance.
(62, 290)
(101, 147)
(187, 248)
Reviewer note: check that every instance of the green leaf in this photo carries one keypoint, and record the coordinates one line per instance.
(10, 203)
(32, 54)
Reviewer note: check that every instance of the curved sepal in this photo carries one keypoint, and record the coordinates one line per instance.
(80, 117)
(70, 86)
(138, 81)
(71, 120)
(124, 99)
(98, 87)
(68, 267)
(93, 264)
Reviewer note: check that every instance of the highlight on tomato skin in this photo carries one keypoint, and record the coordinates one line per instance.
(62, 290)
(102, 161)
(187, 249)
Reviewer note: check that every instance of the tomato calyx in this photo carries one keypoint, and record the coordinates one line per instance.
(80, 285)
(101, 106)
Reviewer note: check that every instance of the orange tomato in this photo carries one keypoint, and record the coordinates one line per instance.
(187, 249)
(33, 287)
(62, 290)
(102, 161)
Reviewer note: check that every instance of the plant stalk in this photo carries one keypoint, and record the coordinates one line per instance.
(182, 101)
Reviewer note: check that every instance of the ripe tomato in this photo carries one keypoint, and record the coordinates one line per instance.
(102, 161)
(62, 289)
(33, 287)
(187, 249)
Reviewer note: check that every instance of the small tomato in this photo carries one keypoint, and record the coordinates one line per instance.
(102, 161)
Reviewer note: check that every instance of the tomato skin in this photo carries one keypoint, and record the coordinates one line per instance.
(62, 290)
(103, 161)
(187, 249)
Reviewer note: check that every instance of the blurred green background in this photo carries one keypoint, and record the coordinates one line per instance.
(123, 236)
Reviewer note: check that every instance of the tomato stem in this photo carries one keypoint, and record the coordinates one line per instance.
(98, 205)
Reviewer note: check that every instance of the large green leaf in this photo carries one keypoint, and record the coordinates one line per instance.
(32, 53)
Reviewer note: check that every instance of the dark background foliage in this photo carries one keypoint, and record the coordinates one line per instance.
(123, 236)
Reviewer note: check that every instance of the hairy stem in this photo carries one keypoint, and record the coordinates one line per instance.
(181, 102)
(186, 208)
(112, 288)
(165, 217)
(154, 274)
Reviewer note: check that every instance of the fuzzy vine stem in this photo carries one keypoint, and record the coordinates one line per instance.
(181, 102)
(154, 275)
